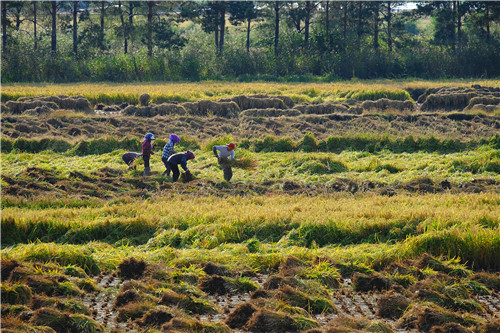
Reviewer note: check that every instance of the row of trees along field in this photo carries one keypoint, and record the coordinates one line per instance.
(67, 41)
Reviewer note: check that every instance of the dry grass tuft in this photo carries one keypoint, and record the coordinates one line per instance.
(214, 284)
(240, 316)
(392, 305)
(270, 321)
(375, 281)
(131, 268)
(155, 317)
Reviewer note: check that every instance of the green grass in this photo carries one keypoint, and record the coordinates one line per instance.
(365, 229)
(109, 92)
(308, 168)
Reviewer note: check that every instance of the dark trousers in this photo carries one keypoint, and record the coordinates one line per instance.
(128, 160)
(167, 166)
(175, 171)
(225, 165)
(146, 161)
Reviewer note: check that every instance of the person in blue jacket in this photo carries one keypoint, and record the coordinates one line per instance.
(176, 159)
(168, 150)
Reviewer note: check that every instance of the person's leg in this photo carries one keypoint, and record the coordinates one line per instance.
(146, 165)
(228, 172)
(175, 171)
(225, 165)
(167, 167)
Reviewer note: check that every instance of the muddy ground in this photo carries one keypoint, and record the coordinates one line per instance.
(139, 295)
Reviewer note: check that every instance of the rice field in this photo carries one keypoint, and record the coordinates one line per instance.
(383, 222)
(108, 92)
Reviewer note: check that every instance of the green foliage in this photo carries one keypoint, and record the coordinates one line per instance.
(69, 255)
(16, 293)
(480, 248)
(219, 141)
(378, 94)
(253, 245)
(308, 143)
(243, 284)
(102, 146)
(187, 144)
(324, 272)
(274, 144)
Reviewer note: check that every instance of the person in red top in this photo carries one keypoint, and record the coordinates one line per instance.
(147, 151)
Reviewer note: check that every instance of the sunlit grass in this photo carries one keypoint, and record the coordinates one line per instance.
(308, 168)
(215, 90)
(182, 229)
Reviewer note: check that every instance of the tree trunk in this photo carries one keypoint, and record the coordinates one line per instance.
(327, 16)
(344, 30)
(276, 27)
(101, 34)
(487, 21)
(453, 20)
(360, 16)
(459, 26)
(54, 26)
(217, 37)
(375, 27)
(131, 20)
(222, 27)
(150, 28)
(125, 42)
(248, 34)
(4, 25)
(389, 23)
(75, 27)
(34, 25)
(307, 22)
(18, 17)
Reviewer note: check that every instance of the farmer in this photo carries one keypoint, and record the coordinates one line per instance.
(179, 158)
(147, 151)
(169, 150)
(222, 157)
(129, 159)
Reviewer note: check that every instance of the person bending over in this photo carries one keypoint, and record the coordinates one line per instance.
(179, 158)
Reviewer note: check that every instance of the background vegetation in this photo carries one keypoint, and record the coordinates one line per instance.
(127, 41)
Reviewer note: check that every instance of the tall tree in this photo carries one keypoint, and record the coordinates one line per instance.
(345, 7)
(327, 22)
(149, 32)
(17, 9)
(307, 21)
(35, 37)
(241, 11)
(101, 32)
(376, 13)
(75, 27)
(360, 20)
(222, 25)
(124, 29)
(4, 25)
(389, 26)
(213, 20)
(131, 6)
(276, 6)
(53, 13)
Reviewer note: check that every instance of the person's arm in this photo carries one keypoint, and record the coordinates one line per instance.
(214, 149)
(232, 154)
